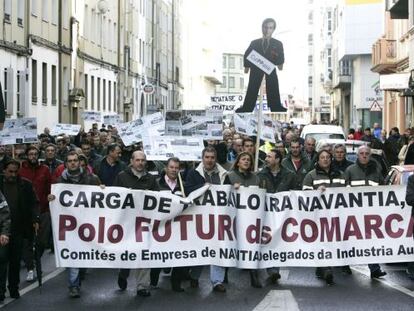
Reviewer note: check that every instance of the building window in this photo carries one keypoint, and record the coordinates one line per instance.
(242, 83)
(310, 80)
(103, 94)
(44, 83)
(116, 103)
(34, 7)
(86, 91)
(231, 83)
(54, 12)
(20, 12)
(34, 81)
(224, 61)
(109, 95)
(45, 9)
(310, 60)
(98, 94)
(65, 14)
(92, 92)
(310, 101)
(232, 64)
(7, 10)
(310, 39)
(329, 58)
(310, 18)
(241, 62)
(5, 87)
(54, 84)
(224, 84)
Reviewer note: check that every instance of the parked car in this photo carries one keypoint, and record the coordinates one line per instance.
(398, 174)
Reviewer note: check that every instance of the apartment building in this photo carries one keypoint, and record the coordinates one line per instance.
(320, 23)
(392, 58)
(61, 57)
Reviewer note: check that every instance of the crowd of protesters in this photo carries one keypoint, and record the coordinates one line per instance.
(98, 157)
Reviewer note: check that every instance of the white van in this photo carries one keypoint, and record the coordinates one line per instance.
(325, 132)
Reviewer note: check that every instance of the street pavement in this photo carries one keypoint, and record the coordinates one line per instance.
(298, 289)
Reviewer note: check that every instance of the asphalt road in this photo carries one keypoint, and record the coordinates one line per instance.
(297, 290)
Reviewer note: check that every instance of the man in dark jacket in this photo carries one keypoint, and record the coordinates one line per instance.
(409, 198)
(108, 168)
(365, 172)
(208, 171)
(4, 241)
(50, 159)
(24, 215)
(169, 181)
(272, 50)
(339, 161)
(297, 163)
(392, 147)
(74, 174)
(41, 179)
(136, 177)
(275, 178)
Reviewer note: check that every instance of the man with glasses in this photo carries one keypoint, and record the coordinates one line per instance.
(365, 172)
(40, 177)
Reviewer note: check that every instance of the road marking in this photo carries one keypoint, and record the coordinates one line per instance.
(389, 283)
(33, 286)
(278, 300)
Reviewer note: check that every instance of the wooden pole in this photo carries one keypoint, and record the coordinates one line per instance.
(180, 180)
(259, 125)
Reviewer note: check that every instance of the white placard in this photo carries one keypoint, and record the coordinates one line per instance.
(161, 148)
(246, 123)
(65, 129)
(19, 131)
(134, 131)
(95, 116)
(261, 62)
(207, 124)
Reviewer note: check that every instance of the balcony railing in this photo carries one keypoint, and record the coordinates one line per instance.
(384, 54)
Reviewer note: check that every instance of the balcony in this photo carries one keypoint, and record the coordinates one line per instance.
(342, 78)
(384, 56)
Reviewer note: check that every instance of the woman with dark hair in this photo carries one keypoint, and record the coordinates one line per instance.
(323, 176)
(242, 174)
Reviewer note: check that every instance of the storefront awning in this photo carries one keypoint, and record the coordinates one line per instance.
(395, 81)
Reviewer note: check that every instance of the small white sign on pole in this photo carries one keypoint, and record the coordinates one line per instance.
(261, 62)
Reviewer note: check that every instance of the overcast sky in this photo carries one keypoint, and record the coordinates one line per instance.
(240, 22)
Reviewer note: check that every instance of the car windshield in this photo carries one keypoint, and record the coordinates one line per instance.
(319, 136)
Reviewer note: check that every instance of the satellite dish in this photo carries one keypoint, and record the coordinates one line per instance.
(103, 6)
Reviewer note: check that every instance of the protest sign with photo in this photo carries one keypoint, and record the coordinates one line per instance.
(207, 124)
(94, 116)
(246, 228)
(246, 123)
(19, 131)
(161, 148)
(65, 129)
(134, 131)
(112, 119)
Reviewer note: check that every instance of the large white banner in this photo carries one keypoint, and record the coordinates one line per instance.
(123, 228)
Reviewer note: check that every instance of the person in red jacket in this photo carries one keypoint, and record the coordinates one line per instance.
(40, 177)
